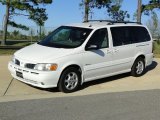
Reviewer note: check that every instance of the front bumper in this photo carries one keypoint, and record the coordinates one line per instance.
(41, 79)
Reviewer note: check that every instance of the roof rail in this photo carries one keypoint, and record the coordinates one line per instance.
(110, 22)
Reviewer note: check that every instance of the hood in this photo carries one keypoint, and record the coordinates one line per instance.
(40, 54)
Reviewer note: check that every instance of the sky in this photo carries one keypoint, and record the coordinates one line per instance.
(62, 12)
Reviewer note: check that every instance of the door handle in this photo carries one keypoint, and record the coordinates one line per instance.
(116, 50)
(109, 51)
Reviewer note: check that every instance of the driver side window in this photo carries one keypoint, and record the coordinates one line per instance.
(99, 38)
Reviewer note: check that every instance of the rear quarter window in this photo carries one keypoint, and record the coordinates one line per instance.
(129, 34)
(140, 34)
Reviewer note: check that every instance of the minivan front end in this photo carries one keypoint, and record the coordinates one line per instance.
(29, 73)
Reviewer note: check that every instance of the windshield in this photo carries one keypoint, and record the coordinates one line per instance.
(66, 37)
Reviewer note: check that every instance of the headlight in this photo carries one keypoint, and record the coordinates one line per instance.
(13, 59)
(46, 67)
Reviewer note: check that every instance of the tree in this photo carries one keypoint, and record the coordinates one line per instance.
(112, 6)
(139, 11)
(31, 8)
(89, 4)
(15, 33)
(115, 13)
(152, 24)
(1, 32)
(43, 33)
(148, 8)
(86, 12)
(31, 34)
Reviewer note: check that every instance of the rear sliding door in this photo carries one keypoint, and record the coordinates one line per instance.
(123, 49)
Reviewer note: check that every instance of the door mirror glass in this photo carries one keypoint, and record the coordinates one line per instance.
(92, 47)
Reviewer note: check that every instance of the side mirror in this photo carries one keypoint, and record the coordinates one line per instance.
(92, 47)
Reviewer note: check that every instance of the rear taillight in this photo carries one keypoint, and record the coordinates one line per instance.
(152, 47)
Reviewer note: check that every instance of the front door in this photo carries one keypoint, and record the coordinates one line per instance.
(97, 62)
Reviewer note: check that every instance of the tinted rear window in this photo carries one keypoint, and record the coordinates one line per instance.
(129, 35)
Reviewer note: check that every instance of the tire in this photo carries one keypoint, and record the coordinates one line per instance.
(138, 67)
(70, 80)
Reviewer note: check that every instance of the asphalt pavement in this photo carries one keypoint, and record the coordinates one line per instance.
(137, 105)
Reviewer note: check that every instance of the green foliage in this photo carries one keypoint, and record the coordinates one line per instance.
(115, 12)
(43, 33)
(156, 47)
(148, 8)
(155, 19)
(15, 33)
(18, 7)
(34, 12)
(100, 3)
(90, 4)
(153, 24)
(13, 24)
(113, 8)
(1, 32)
(31, 9)
(7, 52)
(47, 1)
(154, 1)
(95, 3)
(33, 1)
(39, 16)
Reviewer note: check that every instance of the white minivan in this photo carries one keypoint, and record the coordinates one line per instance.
(77, 53)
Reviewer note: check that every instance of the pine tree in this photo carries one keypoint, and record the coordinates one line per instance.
(153, 4)
(31, 9)
(89, 4)
(115, 12)
(112, 6)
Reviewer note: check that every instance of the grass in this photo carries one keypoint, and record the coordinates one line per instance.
(7, 51)
(157, 55)
(13, 43)
(18, 43)
(157, 48)
(22, 44)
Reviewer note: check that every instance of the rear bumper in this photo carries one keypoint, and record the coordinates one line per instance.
(41, 79)
(149, 59)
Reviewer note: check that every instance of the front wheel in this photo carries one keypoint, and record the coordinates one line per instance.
(138, 67)
(69, 80)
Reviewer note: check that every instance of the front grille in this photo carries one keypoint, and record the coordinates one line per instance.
(17, 62)
(30, 66)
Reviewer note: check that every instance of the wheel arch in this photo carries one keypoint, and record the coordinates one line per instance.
(140, 56)
(134, 66)
(75, 65)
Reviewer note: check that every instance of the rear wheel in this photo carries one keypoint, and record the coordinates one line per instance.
(69, 80)
(138, 67)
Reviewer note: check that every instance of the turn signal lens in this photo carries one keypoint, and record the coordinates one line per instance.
(53, 67)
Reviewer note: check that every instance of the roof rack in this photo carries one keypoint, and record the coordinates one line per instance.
(110, 22)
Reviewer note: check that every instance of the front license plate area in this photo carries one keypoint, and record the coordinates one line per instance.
(19, 74)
